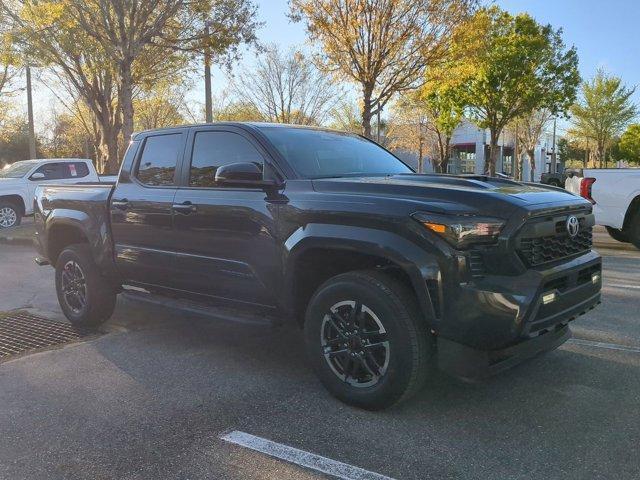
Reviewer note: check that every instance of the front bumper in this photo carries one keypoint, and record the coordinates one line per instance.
(499, 321)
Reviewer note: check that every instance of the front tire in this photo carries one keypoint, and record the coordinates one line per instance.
(618, 235)
(87, 299)
(10, 215)
(366, 339)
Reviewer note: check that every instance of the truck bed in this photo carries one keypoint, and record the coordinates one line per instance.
(83, 205)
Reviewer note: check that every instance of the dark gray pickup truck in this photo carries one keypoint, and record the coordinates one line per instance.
(388, 272)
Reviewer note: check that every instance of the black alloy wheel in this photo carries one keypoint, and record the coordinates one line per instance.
(367, 340)
(74, 287)
(355, 343)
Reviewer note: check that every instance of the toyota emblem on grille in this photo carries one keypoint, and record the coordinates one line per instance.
(573, 226)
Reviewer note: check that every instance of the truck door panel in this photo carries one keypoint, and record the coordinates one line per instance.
(141, 212)
(228, 244)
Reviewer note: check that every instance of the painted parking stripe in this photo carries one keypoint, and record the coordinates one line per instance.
(619, 285)
(608, 346)
(301, 457)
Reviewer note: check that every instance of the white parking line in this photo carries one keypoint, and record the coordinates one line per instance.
(301, 457)
(608, 346)
(619, 285)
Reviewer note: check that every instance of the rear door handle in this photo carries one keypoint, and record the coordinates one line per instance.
(121, 204)
(185, 208)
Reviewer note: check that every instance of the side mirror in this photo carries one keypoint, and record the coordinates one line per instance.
(245, 173)
(38, 176)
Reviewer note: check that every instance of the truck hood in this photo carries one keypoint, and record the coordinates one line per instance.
(476, 194)
(10, 182)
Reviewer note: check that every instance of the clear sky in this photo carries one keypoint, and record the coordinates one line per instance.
(605, 33)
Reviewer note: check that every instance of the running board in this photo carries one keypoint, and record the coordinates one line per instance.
(214, 311)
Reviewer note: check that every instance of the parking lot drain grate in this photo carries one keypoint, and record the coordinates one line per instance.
(22, 332)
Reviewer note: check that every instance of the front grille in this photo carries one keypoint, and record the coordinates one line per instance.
(550, 248)
(476, 264)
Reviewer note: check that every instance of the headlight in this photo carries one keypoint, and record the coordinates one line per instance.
(462, 230)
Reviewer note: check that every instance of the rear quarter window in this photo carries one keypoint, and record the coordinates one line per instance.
(157, 165)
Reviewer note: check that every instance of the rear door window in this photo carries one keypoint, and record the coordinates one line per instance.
(158, 161)
(76, 170)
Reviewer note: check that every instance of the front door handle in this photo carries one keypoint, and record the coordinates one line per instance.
(121, 204)
(185, 208)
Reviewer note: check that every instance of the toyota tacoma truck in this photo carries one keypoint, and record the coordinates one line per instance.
(387, 272)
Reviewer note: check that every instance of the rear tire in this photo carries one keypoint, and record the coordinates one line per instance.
(618, 235)
(10, 214)
(85, 296)
(634, 229)
(377, 357)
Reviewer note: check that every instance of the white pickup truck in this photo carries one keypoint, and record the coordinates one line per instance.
(615, 194)
(18, 182)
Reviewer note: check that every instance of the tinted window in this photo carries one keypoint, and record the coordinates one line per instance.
(51, 171)
(317, 153)
(77, 170)
(158, 161)
(214, 149)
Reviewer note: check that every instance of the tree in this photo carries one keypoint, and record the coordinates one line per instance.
(72, 134)
(78, 62)
(509, 66)
(530, 130)
(408, 128)
(286, 88)
(604, 109)
(160, 107)
(445, 112)
(216, 30)
(571, 152)
(383, 46)
(129, 30)
(14, 140)
(346, 117)
(8, 57)
(630, 144)
(237, 111)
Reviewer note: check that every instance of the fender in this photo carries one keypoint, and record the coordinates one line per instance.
(94, 229)
(417, 263)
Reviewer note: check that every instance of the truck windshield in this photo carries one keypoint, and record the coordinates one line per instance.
(324, 154)
(17, 170)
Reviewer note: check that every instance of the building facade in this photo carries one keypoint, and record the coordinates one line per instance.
(470, 148)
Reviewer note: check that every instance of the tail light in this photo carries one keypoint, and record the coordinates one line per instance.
(585, 188)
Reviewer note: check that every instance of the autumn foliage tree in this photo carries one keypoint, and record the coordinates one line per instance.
(630, 144)
(383, 46)
(508, 66)
(603, 110)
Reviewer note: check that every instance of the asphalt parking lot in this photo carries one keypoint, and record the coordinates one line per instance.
(152, 397)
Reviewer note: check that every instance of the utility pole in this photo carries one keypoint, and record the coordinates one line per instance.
(554, 165)
(378, 129)
(32, 135)
(207, 76)
(516, 157)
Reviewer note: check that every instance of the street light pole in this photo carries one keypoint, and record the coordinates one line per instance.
(32, 135)
(554, 164)
(207, 76)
